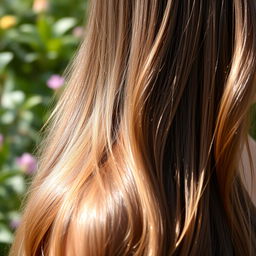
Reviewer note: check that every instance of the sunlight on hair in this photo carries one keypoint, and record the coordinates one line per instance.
(141, 153)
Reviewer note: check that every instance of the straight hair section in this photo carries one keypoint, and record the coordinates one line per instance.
(140, 155)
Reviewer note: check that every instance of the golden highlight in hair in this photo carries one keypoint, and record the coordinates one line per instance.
(141, 153)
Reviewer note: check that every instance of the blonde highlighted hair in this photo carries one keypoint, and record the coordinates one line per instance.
(141, 152)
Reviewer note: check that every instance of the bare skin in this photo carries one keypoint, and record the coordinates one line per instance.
(249, 178)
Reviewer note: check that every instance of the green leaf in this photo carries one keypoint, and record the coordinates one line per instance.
(28, 28)
(44, 27)
(8, 117)
(30, 57)
(6, 175)
(54, 44)
(5, 234)
(27, 115)
(17, 182)
(5, 58)
(63, 25)
(12, 99)
(32, 101)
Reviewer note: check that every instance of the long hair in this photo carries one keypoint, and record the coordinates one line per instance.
(141, 152)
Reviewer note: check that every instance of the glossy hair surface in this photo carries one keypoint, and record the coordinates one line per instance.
(140, 155)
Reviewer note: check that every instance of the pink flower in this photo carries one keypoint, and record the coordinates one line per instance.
(78, 31)
(15, 223)
(27, 163)
(1, 140)
(40, 6)
(55, 82)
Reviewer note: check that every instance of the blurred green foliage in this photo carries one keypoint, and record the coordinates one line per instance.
(37, 41)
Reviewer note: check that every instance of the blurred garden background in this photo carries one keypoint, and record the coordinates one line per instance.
(37, 40)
